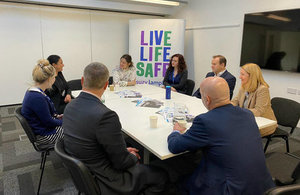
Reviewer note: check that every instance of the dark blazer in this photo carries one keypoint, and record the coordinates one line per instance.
(92, 134)
(231, 80)
(58, 92)
(233, 159)
(180, 80)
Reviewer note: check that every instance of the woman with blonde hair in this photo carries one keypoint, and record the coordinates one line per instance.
(37, 107)
(254, 95)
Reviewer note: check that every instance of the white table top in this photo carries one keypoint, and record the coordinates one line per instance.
(135, 120)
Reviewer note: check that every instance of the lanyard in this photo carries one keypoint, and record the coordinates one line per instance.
(173, 78)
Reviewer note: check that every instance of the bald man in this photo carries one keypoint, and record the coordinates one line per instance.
(233, 160)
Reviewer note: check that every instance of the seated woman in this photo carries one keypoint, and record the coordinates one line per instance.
(60, 93)
(125, 74)
(176, 75)
(37, 107)
(254, 95)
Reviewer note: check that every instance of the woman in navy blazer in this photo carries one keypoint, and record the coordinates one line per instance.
(176, 75)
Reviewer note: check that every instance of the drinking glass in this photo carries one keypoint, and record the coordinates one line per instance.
(179, 112)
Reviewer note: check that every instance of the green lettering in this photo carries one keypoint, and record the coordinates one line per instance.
(140, 69)
(149, 70)
(157, 53)
(167, 37)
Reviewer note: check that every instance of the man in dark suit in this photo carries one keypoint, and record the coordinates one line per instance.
(92, 134)
(218, 66)
(233, 160)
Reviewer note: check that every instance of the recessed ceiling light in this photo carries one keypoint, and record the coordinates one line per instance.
(275, 17)
(163, 2)
(257, 14)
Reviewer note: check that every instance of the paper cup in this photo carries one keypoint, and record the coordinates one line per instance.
(153, 121)
(111, 87)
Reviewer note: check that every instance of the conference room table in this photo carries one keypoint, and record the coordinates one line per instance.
(135, 120)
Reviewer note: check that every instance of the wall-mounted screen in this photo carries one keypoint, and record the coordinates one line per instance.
(272, 40)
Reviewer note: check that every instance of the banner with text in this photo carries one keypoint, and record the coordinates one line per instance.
(152, 42)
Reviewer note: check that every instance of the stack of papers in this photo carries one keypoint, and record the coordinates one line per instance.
(129, 94)
(148, 102)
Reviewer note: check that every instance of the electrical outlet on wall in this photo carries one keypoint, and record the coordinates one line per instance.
(291, 90)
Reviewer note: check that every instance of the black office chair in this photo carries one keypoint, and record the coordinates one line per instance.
(75, 84)
(44, 149)
(287, 113)
(284, 190)
(81, 176)
(283, 167)
(190, 84)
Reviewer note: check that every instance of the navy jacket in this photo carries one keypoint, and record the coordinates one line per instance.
(179, 82)
(233, 160)
(231, 80)
(39, 112)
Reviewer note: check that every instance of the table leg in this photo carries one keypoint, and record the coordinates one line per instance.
(146, 156)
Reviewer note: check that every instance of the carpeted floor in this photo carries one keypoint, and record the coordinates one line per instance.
(19, 162)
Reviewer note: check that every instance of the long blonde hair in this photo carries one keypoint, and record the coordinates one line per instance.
(43, 71)
(255, 77)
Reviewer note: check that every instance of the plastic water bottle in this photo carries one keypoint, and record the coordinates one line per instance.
(168, 92)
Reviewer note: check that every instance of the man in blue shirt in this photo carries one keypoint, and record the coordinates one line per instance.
(233, 160)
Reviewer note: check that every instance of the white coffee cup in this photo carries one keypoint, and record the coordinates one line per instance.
(153, 121)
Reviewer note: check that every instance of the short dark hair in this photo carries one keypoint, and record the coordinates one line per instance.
(95, 75)
(53, 59)
(222, 59)
(128, 59)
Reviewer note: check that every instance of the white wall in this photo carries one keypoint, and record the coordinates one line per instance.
(217, 28)
(32, 32)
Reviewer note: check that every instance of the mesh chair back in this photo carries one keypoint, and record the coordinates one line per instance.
(284, 190)
(82, 177)
(287, 112)
(190, 84)
(75, 84)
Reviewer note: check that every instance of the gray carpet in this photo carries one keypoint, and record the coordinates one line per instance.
(19, 162)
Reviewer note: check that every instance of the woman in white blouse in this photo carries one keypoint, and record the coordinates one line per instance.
(125, 74)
